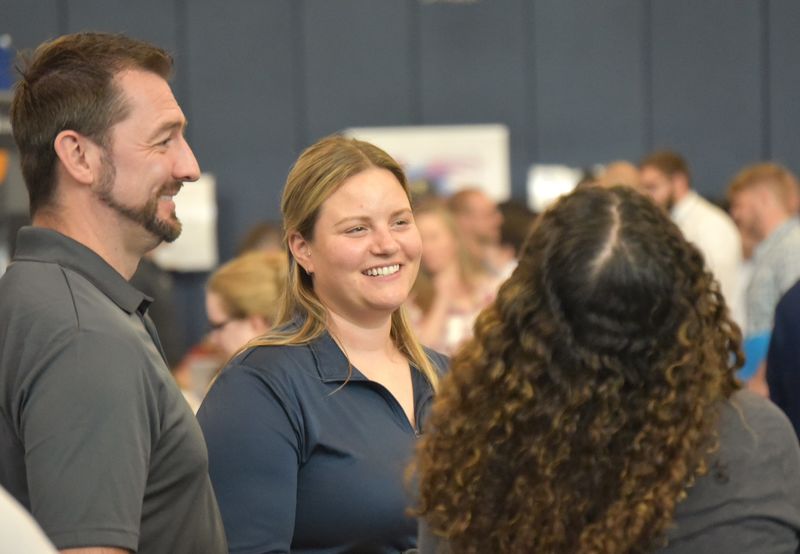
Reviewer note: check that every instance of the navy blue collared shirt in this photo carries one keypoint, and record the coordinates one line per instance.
(307, 455)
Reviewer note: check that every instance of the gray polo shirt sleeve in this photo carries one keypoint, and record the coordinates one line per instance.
(88, 431)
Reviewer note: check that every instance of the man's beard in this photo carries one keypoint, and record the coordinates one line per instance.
(147, 215)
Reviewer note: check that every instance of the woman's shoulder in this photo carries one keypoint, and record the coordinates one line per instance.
(751, 493)
(440, 361)
(748, 420)
(272, 363)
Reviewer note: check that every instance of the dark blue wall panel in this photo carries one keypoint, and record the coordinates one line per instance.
(784, 81)
(577, 82)
(152, 20)
(357, 65)
(29, 23)
(473, 60)
(242, 106)
(707, 90)
(590, 80)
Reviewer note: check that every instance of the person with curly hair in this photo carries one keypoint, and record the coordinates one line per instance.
(596, 410)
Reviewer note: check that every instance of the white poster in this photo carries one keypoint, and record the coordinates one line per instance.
(196, 248)
(445, 159)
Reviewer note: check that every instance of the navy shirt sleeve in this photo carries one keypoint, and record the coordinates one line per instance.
(255, 480)
(783, 358)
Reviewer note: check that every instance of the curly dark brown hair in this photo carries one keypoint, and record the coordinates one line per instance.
(586, 404)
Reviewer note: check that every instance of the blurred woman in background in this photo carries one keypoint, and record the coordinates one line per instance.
(452, 286)
(242, 298)
(596, 409)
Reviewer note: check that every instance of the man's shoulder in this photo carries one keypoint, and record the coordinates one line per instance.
(49, 291)
(713, 215)
(37, 292)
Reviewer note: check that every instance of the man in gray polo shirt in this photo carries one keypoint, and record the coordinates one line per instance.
(96, 439)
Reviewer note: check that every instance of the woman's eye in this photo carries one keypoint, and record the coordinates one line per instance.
(357, 229)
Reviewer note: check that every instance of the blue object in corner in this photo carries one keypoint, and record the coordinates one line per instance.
(755, 351)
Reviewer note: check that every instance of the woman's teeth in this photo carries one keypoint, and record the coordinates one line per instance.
(380, 271)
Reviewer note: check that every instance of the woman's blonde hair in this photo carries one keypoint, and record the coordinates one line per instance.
(251, 284)
(318, 173)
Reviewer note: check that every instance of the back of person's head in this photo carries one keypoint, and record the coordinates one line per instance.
(587, 400)
(265, 236)
(251, 285)
(68, 83)
(517, 222)
(668, 162)
(774, 177)
(620, 172)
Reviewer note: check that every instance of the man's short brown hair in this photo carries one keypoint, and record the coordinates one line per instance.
(68, 83)
(779, 179)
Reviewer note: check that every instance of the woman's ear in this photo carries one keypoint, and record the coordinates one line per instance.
(79, 156)
(301, 251)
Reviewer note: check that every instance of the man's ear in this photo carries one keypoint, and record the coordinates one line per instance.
(301, 251)
(79, 156)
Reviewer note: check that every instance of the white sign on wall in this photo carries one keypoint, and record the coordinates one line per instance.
(196, 248)
(448, 158)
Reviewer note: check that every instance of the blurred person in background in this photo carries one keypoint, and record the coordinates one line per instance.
(619, 172)
(665, 177)
(242, 298)
(266, 236)
(763, 201)
(310, 427)
(19, 532)
(597, 410)
(452, 286)
(518, 220)
(478, 221)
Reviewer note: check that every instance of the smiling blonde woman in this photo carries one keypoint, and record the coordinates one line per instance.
(309, 428)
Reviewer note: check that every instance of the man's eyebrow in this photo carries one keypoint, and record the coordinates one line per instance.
(169, 125)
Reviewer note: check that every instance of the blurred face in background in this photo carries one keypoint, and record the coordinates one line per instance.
(439, 244)
(482, 219)
(658, 186)
(745, 211)
(230, 333)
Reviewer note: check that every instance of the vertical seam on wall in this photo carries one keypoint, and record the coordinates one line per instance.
(182, 45)
(62, 16)
(766, 85)
(299, 74)
(529, 16)
(647, 75)
(414, 62)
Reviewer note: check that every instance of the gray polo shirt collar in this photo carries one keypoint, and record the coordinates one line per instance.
(49, 246)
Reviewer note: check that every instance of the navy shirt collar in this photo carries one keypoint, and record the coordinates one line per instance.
(332, 364)
(46, 245)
